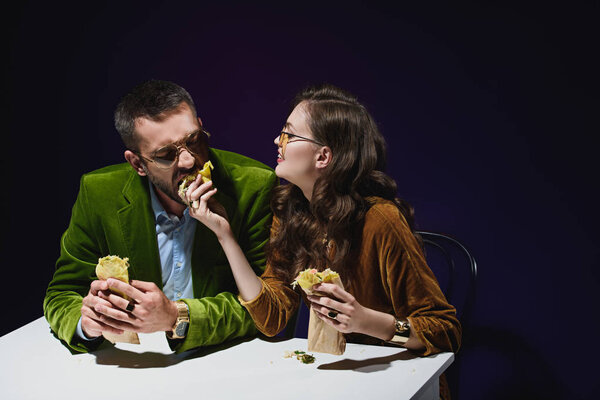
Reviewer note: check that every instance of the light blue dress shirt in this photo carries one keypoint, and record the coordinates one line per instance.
(175, 237)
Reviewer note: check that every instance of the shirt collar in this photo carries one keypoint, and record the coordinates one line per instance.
(160, 215)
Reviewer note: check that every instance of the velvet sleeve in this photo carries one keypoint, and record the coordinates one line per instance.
(275, 304)
(75, 270)
(412, 287)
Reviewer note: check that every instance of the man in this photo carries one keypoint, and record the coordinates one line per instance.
(180, 280)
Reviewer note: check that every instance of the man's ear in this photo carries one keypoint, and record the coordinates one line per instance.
(324, 157)
(135, 161)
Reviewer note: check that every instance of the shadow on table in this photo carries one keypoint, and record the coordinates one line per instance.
(369, 365)
(107, 354)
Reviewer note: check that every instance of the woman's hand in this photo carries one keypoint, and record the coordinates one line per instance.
(212, 214)
(338, 308)
(342, 311)
(206, 209)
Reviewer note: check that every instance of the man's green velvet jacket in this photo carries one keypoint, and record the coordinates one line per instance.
(113, 216)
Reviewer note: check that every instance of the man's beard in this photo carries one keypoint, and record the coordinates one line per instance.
(164, 187)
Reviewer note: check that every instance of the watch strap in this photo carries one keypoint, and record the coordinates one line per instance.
(183, 317)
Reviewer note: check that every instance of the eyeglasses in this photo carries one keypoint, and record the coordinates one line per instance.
(284, 139)
(167, 156)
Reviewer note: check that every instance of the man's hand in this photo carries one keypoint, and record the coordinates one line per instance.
(94, 323)
(152, 310)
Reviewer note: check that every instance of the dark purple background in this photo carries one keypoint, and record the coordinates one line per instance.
(486, 110)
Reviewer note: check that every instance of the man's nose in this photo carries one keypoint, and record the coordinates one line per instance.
(186, 160)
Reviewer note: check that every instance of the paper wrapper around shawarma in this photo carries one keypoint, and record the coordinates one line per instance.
(322, 338)
(115, 267)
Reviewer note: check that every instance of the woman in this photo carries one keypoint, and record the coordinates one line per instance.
(339, 210)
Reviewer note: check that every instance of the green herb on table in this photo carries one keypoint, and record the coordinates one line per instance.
(300, 355)
(306, 358)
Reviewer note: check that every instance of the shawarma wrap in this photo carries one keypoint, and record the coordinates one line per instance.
(116, 267)
(187, 181)
(322, 338)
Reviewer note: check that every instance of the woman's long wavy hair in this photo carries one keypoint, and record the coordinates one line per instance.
(338, 206)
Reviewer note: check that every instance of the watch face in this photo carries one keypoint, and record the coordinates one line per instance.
(181, 328)
(402, 326)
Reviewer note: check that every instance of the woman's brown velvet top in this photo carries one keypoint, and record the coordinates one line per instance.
(391, 276)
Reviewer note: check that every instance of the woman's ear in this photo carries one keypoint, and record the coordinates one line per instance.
(324, 157)
(135, 161)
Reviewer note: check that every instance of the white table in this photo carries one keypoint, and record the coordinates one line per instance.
(35, 365)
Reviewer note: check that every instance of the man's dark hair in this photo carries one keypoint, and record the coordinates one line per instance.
(154, 100)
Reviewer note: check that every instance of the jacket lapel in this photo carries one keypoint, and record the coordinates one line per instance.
(139, 232)
(207, 251)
